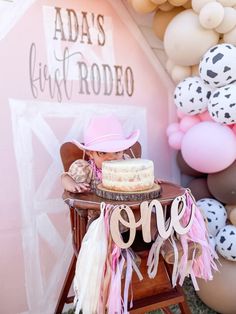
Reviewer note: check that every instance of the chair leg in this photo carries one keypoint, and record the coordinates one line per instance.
(183, 305)
(63, 298)
(184, 308)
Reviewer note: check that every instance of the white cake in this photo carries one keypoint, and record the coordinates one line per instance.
(131, 175)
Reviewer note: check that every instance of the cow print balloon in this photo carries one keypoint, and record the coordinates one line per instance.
(218, 65)
(226, 242)
(212, 242)
(215, 213)
(222, 104)
(191, 95)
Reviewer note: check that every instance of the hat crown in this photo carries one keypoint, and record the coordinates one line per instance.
(106, 134)
(103, 129)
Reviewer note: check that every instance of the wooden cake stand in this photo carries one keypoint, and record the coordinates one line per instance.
(152, 193)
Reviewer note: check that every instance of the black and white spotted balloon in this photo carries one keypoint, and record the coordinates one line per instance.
(226, 242)
(218, 65)
(222, 104)
(212, 242)
(215, 214)
(191, 95)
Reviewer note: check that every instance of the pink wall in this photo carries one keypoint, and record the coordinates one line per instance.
(34, 232)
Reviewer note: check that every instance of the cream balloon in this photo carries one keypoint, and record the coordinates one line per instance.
(229, 21)
(198, 4)
(143, 6)
(179, 73)
(162, 19)
(185, 45)
(195, 70)
(230, 37)
(158, 1)
(169, 65)
(211, 15)
(166, 7)
(231, 212)
(227, 3)
(177, 3)
(232, 217)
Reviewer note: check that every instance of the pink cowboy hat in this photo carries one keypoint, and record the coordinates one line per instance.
(105, 134)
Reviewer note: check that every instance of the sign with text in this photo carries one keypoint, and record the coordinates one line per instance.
(165, 226)
(80, 48)
(63, 62)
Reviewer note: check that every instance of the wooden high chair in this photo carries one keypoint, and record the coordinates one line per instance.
(148, 294)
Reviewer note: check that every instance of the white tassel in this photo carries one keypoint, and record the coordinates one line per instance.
(153, 257)
(90, 266)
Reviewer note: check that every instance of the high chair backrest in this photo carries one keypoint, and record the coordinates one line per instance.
(70, 152)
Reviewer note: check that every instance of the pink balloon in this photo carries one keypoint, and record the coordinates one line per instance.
(187, 122)
(175, 139)
(234, 128)
(205, 116)
(172, 128)
(209, 147)
(180, 114)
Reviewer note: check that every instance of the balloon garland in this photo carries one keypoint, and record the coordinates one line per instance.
(199, 39)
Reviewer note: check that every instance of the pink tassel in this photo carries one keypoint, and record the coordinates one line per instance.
(203, 265)
(114, 303)
(115, 300)
(116, 261)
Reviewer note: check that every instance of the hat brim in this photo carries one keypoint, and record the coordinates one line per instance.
(111, 146)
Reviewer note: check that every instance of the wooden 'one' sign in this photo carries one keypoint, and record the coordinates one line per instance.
(164, 227)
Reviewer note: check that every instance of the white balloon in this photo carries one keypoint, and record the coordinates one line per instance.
(197, 5)
(226, 242)
(214, 212)
(218, 65)
(212, 242)
(191, 95)
(211, 15)
(222, 104)
(185, 40)
(227, 3)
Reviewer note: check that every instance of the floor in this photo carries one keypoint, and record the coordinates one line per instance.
(195, 304)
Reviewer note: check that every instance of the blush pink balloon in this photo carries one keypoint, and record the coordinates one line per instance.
(205, 116)
(180, 114)
(187, 122)
(209, 147)
(172, 128)
(233, 128)
(175, 140)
